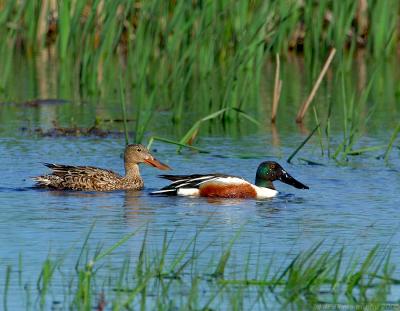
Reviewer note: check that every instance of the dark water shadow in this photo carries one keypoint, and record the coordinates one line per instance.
(18, 189)
(75, 193)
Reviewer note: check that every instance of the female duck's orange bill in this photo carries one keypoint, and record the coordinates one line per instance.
(155, 163)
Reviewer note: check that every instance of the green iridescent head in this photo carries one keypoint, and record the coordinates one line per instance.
(270, 171)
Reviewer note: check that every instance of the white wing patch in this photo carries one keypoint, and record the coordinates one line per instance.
(229, 180)
(191, 180)
(163, 191)
(188, 192)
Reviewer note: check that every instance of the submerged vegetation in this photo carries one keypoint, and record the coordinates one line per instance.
(313, 279)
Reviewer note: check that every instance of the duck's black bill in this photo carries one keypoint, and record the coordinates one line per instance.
(287, 179)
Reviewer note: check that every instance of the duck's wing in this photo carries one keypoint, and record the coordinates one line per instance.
(62, 170)
(75, 177)
(190, 184)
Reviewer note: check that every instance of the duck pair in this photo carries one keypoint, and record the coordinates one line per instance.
(89, 178)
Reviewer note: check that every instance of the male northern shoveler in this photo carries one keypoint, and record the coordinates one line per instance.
(89, 178)
(227, 186)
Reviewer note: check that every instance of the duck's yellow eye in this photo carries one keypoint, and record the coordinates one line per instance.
(272, 166)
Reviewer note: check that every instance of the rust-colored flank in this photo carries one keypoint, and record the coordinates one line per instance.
(242, 191)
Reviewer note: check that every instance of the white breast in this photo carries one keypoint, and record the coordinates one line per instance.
(263, 193)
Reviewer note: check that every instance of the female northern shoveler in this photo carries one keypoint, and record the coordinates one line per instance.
(226, 186)
(89, 178)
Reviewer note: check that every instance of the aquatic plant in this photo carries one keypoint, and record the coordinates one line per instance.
(313, 277)
(106, 26)
(194, 59)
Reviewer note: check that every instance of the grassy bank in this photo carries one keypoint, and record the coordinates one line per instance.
(200, 281)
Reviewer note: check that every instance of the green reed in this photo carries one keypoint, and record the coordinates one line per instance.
(393, 137)
(302, 144)
(194, 38)
(45, 278)
(314, 277)
(354, 109)
(6, 287)
(195, 58)
(105, 24)
(383, 29)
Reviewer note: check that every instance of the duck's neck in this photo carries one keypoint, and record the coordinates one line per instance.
(132, 170)
(132, 176)
(261, 182)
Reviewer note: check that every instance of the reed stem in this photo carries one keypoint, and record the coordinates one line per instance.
(303, 109)
(123, 107)
(302, 144)
(277, 90)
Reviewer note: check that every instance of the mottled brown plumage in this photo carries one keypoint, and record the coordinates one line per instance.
(89, 178)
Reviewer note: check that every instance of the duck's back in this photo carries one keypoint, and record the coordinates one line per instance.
(83, 178)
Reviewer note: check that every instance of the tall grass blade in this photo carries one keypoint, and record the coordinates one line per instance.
(64, 26)
(6, 287)
(173, 142)
(84, 245)
(220, 269)
(391, 142)
(302, 144)
(115, 246)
